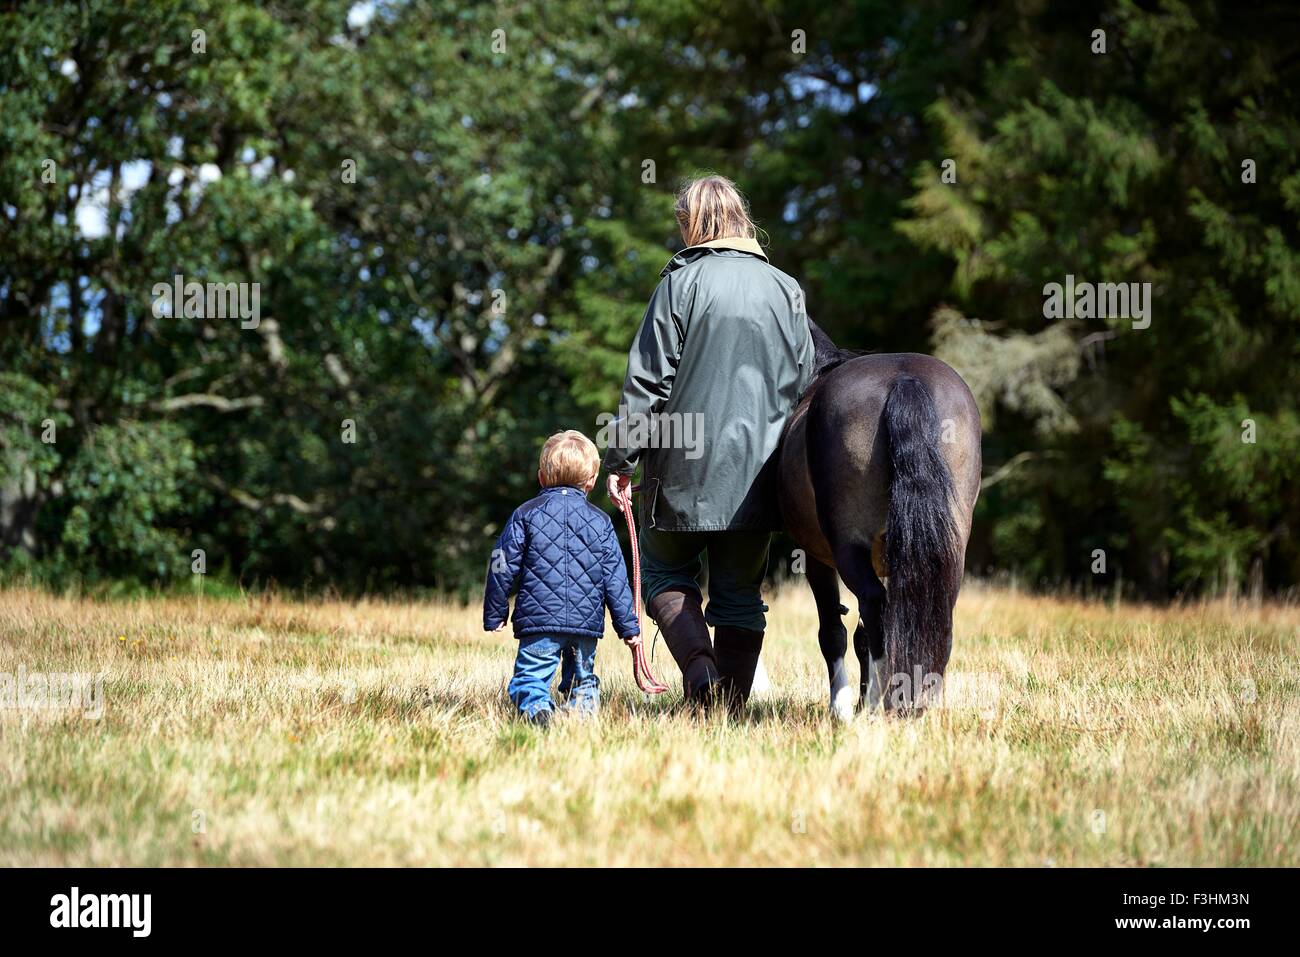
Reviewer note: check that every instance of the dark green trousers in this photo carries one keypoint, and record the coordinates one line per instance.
(737, 562)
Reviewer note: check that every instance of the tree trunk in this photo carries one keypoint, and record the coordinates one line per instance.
(19, 500)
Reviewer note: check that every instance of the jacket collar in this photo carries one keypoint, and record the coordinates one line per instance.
(557, 488)
(743, 244)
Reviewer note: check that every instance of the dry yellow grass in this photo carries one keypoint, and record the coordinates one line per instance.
(275, 732)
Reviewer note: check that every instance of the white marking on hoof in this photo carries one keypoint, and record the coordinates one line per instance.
(762, 685)
(841, 694)
(875, 683)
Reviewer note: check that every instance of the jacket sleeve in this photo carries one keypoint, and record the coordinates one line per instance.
(807, 352)
(651, 367)
(503, 573)
(618, 593)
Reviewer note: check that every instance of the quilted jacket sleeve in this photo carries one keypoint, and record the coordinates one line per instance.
(651, 368)
(503, 573)
(618, 593)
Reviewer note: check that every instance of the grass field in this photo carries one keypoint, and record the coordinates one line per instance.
(274, 732)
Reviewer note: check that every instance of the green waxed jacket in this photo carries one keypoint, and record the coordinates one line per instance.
(719, 362)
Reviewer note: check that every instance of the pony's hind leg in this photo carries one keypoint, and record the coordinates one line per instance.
(831, 635)
(869, 637)
(869, 646)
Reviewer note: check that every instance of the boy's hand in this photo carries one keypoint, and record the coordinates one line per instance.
(632, 641)
(500, 627)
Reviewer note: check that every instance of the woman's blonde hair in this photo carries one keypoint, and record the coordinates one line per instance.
(568, 458)
(711, 208)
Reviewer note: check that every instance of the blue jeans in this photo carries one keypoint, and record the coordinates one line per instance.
(535, 664)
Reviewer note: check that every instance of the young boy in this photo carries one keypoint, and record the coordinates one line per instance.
(562, 555)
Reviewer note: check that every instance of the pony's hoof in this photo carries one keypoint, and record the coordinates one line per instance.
(842, 705)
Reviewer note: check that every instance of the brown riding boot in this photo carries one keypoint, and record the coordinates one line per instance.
(737, 652)
(685, 633)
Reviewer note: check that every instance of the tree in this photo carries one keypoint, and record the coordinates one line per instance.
(404, 222)
(1132, 166)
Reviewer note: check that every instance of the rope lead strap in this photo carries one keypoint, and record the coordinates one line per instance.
(645, 679)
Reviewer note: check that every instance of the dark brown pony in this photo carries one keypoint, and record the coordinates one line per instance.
(879, 472)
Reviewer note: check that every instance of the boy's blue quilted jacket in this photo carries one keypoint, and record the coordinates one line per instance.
(562, 554)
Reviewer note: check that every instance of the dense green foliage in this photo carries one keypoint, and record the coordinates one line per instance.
(454, 231)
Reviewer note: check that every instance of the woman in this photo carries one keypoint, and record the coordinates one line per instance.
(724, 348)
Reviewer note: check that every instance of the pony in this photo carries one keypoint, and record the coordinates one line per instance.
(878, 474)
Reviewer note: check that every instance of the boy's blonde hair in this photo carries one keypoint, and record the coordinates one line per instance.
(568, 458)
(711, 208)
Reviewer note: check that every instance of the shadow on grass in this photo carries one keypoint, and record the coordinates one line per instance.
(410, 702)
(787, 711)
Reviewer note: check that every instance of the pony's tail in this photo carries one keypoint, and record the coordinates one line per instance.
(922, 555)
